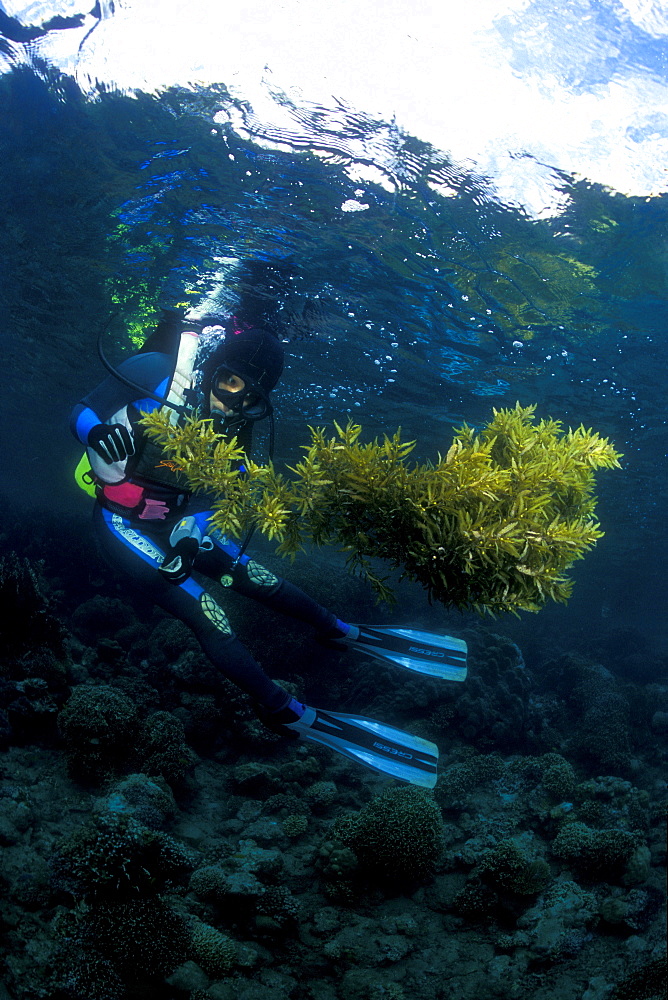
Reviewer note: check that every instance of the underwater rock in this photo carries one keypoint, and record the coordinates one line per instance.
(249, 857)
(190, 979)
(101, 618)
(149, 800)
(638, 866)
(26, 623)
(646, 983)
(560, 922)
(496, 710)
(266, 831)
(632, 911)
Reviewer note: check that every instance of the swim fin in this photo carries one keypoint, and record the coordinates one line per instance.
(424, 652)
(380, 747)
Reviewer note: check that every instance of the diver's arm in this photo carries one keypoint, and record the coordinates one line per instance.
(153, 371)
(102, 421)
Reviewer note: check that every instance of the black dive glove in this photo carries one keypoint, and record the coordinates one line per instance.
(112, 442)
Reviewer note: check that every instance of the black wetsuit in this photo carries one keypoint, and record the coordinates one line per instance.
(139, 506)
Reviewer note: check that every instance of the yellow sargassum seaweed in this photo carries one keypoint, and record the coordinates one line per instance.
(493, 525)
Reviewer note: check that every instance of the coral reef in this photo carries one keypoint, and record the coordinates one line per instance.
(594, 853)
(599, 711)
(213, 951)
(115, 856)
(496, 710)
(102, 617)
(512, 868)
(397, 837)
(163, 749)
(295, 825)
(133, 867)
(100, 728)
(104, 736)
(143, 938)
(557, 776)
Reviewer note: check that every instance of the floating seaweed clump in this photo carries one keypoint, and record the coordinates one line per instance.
(493, 525)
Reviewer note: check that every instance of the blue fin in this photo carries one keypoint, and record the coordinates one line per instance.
(424, 652)
(382, 748)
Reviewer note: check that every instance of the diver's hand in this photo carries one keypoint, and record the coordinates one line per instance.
(112, 442)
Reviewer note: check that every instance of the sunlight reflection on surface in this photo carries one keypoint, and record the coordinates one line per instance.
(509, 90)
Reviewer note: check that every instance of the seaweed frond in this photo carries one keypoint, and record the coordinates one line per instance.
(492, 526)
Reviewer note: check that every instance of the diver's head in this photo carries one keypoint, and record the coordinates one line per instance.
(239, 375)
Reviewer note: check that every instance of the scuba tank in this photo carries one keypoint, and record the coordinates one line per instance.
(181, 386)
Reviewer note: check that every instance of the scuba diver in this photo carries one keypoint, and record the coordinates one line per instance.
(151, 526)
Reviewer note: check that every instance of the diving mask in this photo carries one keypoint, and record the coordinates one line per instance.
(248, 404)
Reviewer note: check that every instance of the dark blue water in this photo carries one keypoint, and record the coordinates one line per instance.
(417, 299)
(417, 311)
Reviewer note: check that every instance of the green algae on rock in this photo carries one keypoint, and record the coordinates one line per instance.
(493, 525)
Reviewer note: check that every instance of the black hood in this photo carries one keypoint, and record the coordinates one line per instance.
(252, 353)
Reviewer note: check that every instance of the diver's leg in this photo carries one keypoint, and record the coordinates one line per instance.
(248, 577)
(136, 553)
